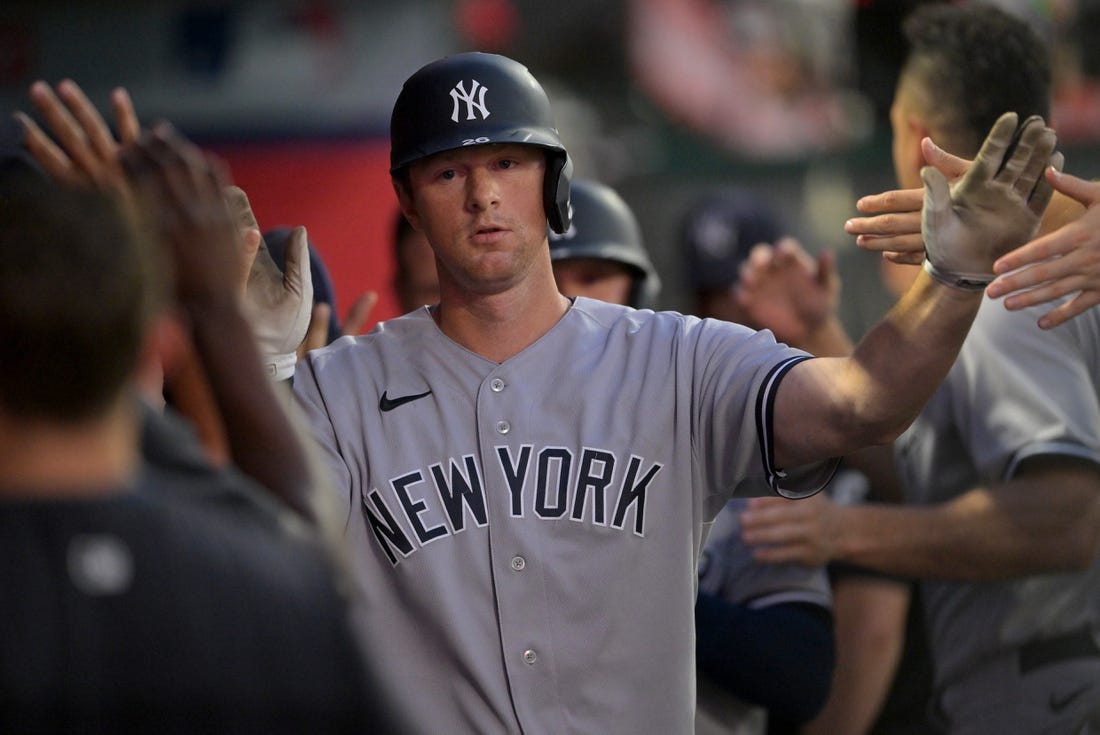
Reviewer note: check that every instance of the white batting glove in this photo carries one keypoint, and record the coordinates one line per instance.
(279, 306)
(995, 207)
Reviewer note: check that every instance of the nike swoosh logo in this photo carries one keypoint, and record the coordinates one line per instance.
(1060, 702)
(388, 404)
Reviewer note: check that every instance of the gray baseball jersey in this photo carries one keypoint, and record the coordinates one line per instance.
(1015, 392)
(727, 569)
(527, 533)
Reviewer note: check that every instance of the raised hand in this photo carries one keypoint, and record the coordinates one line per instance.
(892, 226)
(83, 151)
(317, 334)
(1059, 263)
(277, 305)
(784, 289)
(996, 205)
(181, 192)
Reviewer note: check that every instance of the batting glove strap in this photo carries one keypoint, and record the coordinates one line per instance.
(281, 367)
(961, 281)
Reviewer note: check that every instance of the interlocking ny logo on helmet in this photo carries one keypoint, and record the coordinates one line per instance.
(459, 95)
(445, 105)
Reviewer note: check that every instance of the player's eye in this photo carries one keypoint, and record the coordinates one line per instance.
(448, 174)
(507, 163)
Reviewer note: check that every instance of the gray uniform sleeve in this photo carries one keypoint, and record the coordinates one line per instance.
(1020, 391)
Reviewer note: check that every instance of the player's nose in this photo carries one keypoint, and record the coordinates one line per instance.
(482, 189)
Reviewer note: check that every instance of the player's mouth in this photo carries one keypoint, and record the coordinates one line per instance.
(488, 234)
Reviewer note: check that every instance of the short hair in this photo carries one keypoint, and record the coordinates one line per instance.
(975, 62)
(78, 285)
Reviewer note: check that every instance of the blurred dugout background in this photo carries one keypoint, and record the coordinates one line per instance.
(663, 99)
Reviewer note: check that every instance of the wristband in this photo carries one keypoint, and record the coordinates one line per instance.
(281, 367)
(963, 283)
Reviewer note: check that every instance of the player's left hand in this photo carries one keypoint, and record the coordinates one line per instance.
(780, 530)
(996, 205)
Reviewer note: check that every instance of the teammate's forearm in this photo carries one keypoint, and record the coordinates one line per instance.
(262, 440)
(983, 535)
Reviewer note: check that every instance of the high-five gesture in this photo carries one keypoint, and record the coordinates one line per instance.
(996, 205)
(180, 192)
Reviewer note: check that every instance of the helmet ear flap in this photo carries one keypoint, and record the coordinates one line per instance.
(559, 172)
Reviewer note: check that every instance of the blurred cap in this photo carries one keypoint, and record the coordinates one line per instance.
(719, 230)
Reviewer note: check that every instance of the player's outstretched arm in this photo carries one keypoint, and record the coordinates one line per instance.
(833, 406)
(1062, 262)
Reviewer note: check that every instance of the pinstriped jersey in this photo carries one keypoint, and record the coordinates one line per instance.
(527, 533)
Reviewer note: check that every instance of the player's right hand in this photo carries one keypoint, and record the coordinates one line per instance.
(279, 305)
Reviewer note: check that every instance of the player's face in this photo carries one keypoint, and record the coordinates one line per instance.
(481, 209)
(595, 278)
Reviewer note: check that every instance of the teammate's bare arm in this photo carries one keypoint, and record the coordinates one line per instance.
(832, 406)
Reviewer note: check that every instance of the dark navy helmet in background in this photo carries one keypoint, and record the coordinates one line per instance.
(605, 227)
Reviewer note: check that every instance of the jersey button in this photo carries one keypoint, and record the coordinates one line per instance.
(518, 563)
(529, 656)
(496, 385)
(503, 427)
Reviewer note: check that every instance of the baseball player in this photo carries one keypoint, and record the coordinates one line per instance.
(528, 478)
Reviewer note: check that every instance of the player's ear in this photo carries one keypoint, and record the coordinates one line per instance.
(918, 131)
(405, 199)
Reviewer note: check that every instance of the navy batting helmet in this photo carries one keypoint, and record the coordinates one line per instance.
(605, 227)
(475, 98)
